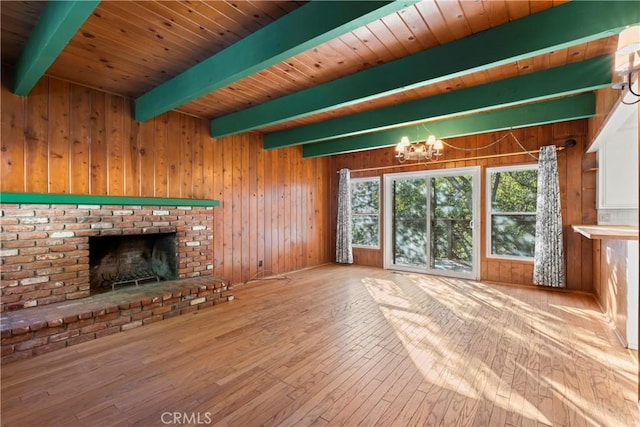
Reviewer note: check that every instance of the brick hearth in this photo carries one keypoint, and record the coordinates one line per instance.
(38, 330)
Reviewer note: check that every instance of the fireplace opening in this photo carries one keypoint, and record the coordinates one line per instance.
(131, 260)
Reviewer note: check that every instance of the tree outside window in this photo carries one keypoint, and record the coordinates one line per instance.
(365, 212)
(512, 193)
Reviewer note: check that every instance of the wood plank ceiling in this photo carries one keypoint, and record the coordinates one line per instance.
(132, 47)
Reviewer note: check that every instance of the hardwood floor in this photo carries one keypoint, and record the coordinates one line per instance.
(344, 345)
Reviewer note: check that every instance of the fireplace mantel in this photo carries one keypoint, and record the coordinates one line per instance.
(90, 199)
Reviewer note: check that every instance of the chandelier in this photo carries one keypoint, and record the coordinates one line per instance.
(431, 149)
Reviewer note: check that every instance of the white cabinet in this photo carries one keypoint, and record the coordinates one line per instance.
(617, 149)
(618, 170)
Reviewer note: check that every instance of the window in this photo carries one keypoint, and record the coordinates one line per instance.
(511, 211)
(365, 209)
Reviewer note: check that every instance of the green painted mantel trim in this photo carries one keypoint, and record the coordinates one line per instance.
(58, 23)
(559, 110)
(313, 24)
(571, 79)
(88, 199)
(552, 29)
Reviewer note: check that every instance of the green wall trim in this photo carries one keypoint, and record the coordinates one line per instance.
(565, 25)
(566, 80)
(58, 23)
(559, 110)
(88, 199)
(311, 25)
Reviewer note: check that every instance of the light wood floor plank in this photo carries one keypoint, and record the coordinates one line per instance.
(345, 346)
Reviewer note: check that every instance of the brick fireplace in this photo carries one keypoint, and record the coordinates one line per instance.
(45, 248)
(74, 272)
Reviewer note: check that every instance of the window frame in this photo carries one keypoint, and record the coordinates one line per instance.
(490, 213)
(367, 179)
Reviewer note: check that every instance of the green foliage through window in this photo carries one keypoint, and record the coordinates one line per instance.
(365, 208)
(512, 193)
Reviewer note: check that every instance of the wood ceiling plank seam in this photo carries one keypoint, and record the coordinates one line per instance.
(260, 15)
(365, 56)
(204, 20)
(559, 110)
(152, 38)
(435, 22)
(122, 53)
(338, 18)
(234, 14)
(576, 53)
(558, 57)
(370, 38)
(474, 12)
(496, 13)
(455, 19)
(525, 66)
(150, 75)
(410, 73)
(174, 20)
(418, 27)
(402, 34)
(58, 23)
(561, 81)
(518, 9)
(540, 5)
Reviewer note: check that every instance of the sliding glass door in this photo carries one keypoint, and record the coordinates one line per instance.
(431, 222)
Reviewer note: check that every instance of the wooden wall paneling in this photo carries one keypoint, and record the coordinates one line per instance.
(218, 214)
(80, 139)
(174, 155)
(59, 157)
(159, 149)
(131, 150)
(228, 206)
(186, 156)
(284, 211)
(270, 214)
(197, 175)
(147, 147)
(114, 119)
(12, 160)
(277, 239)
(36, 138)
(273, 203)
(236, 200)
(574, 216)
(257, 207)
(247, 214)
(98, 152)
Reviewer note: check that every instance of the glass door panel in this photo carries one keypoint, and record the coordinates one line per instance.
(409, 222)
(429, 222)
(451, 234)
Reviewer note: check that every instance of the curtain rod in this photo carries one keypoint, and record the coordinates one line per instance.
(463, 159)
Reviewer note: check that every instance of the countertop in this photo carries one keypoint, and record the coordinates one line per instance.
(608, 231)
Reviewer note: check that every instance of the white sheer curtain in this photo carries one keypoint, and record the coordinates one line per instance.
(548, 263)
(344, 252)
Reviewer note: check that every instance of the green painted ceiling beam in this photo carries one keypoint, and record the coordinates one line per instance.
(311, 25)
(559, 110)
(555, 28)
(560, 81)
(58, 23)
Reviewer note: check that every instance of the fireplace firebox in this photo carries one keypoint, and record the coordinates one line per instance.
(131, 260)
